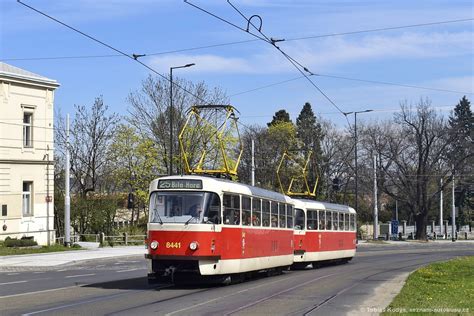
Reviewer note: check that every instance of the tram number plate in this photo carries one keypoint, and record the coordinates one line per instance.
(173, 244)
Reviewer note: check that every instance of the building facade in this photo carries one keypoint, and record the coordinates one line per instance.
(26, 155)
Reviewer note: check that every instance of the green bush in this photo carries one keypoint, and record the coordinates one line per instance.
(24, 242)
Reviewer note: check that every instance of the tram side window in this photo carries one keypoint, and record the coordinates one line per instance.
(282, 212)
(231, 209)
(246, 213)
(312, 220)
(322, 220)
(256, 212)
(274, 214)
(341, 221)
(265, 213)
(328, 220)
(346, 222)
(353, 226)
(299, 219)
(289, 216)
(213, 210)
(335, 224)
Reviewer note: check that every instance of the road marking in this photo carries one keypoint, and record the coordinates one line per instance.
(36, 292)
(75, 304)
(88, 301)
(128, 270)
(38, 272)
(14, 282)
(62, 270)
(13, 273)
(79, 275)
(100, 266)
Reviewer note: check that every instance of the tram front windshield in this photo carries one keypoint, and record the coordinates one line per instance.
(184, 207)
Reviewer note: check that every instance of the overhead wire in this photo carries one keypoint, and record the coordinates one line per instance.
(133, 56)
(273, 42)
(245, 41)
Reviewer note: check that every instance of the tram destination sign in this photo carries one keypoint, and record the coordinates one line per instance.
(180, 184)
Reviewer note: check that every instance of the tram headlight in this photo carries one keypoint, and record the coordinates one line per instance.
(154, 244)
(193, 245)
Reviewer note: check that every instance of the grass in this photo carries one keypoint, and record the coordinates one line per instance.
(8, 251)
(444, 287)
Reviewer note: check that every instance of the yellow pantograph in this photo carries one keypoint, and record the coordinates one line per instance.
(207, 141)
(303, 175)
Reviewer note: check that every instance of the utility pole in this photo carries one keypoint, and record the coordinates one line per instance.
(67, 199)
(441, 208)
(376, 211)
(396, 210)
(453, 215)
(355, 156)
(171, 116)
(253, 163)
(48, 234)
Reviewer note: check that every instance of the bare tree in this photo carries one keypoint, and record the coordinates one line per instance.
(90, 138)
(412, 157)
(150, 106)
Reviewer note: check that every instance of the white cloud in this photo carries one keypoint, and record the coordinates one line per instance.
(204, 63)
(329, 53)
(335, 51)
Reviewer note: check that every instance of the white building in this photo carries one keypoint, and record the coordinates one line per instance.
(26, 155)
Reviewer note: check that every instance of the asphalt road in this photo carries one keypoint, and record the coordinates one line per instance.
(118, 287)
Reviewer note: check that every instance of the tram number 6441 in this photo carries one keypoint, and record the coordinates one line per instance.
(173, 244)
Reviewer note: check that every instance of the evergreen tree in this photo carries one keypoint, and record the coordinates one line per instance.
(462, 156)
(461, 124)
(309, 132)
(279, 117)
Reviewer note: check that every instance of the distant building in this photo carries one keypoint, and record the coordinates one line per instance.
(26, 155)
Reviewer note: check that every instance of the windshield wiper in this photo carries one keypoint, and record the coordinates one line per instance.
(192, 217)
(159, 217)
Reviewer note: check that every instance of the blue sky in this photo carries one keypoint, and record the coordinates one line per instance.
(439, 56)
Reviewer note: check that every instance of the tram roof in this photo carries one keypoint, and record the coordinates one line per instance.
(325, 205)
(226, 185)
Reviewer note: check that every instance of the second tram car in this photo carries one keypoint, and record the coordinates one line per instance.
(323, 232)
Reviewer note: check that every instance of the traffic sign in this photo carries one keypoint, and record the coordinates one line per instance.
(394, 227)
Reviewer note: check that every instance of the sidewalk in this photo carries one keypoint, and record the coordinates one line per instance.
(59, 258)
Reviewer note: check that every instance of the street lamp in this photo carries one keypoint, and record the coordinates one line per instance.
(171, 114)
(355, 154)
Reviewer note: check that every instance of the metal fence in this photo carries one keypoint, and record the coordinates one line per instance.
(103, 239)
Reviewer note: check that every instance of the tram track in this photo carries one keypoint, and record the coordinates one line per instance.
(305, 311)
(194, 300)
(332, 297)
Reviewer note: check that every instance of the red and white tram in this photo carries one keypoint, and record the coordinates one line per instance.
(323, 232)
(202, 226)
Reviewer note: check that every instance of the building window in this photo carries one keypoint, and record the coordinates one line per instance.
(4, 210)
(27, 198)
(27, 129)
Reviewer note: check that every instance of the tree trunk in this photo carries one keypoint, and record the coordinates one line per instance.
(420, 222)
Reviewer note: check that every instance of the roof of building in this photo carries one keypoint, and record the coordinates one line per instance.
(18, 73)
